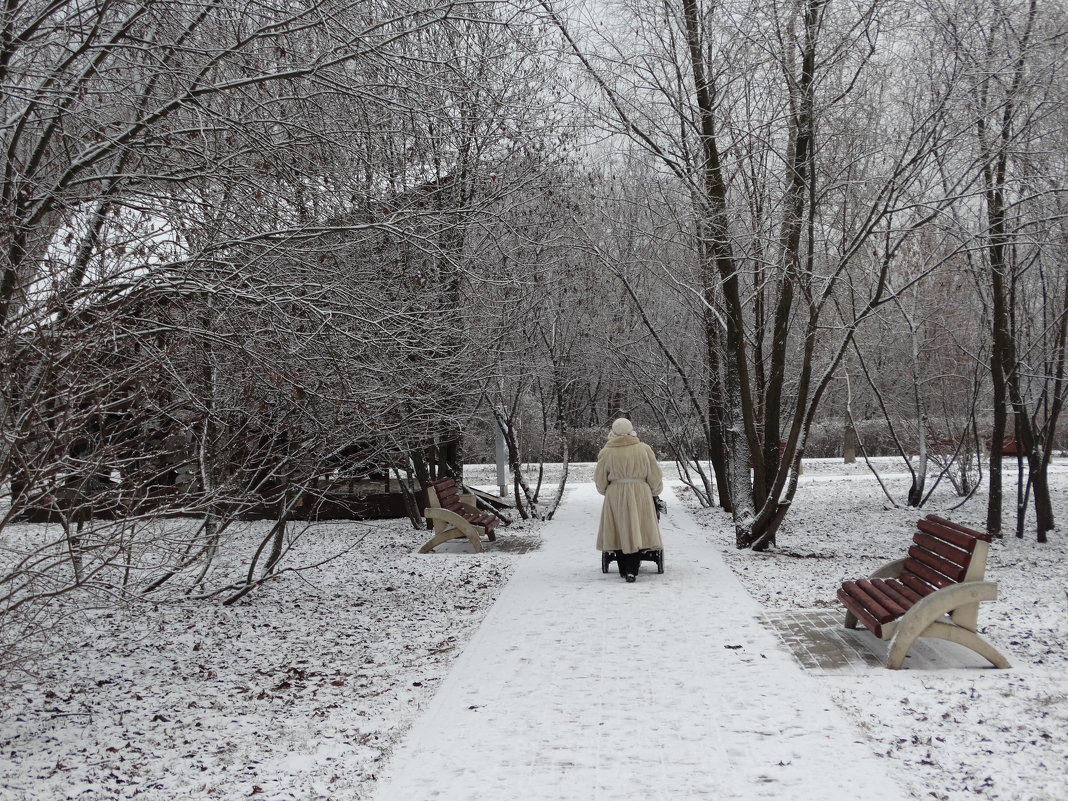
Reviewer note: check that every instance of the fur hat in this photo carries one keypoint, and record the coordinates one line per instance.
(622, 427)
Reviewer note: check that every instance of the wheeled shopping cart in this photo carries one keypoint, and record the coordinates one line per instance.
(654, 555)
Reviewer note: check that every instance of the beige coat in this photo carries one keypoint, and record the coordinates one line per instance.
(628, 517)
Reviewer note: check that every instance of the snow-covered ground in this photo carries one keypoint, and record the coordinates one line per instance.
(580, 686)
(956, 734)
(302, 690)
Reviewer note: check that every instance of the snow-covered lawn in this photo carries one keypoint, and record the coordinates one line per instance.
(297, 692)
(301, 689)
(955, 734)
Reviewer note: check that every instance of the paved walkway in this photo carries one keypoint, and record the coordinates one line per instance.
(579, 686)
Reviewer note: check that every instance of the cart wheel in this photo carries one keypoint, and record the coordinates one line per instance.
(605, 561)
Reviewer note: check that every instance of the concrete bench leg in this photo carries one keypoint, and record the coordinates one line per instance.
(901, 642)
(450, 526)
(454, 534)
(924, 620)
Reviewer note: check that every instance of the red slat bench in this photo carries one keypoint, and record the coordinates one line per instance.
(933, 592)
(455, 516)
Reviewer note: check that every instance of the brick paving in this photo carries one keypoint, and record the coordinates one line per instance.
(820, 644)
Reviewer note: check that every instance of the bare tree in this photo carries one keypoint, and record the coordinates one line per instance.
(924, 361)
(236, 266)
(1014, 54)
(779, 123)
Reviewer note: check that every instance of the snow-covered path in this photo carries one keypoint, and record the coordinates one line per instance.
(580, 686)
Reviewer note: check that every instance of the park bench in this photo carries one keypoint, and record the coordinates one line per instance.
(933, 592)
(455, 516)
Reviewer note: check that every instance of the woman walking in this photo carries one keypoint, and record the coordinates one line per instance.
(628, 477)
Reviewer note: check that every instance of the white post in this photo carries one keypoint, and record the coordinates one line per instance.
(502, 463)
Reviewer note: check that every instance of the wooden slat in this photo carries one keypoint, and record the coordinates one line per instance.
(448, 496)
(971, 532)
(954, 573)
(896, 591)
(944, 549)
(876, 609)
(919, 585)
(907, 592)
(862, 614)
(884, 599)
(959, 538)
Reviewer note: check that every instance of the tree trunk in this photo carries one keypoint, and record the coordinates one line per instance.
(997, 439)
(720, 271)
(849, 444)
(74, 547)
(1044, 521)
(285, 509)
(995, 148)
(741, 488)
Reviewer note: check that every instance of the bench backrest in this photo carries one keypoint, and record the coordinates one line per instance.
(445, 494)
(944, 553)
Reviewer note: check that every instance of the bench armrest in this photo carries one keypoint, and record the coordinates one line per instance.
(889, 570)
(438, 514)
